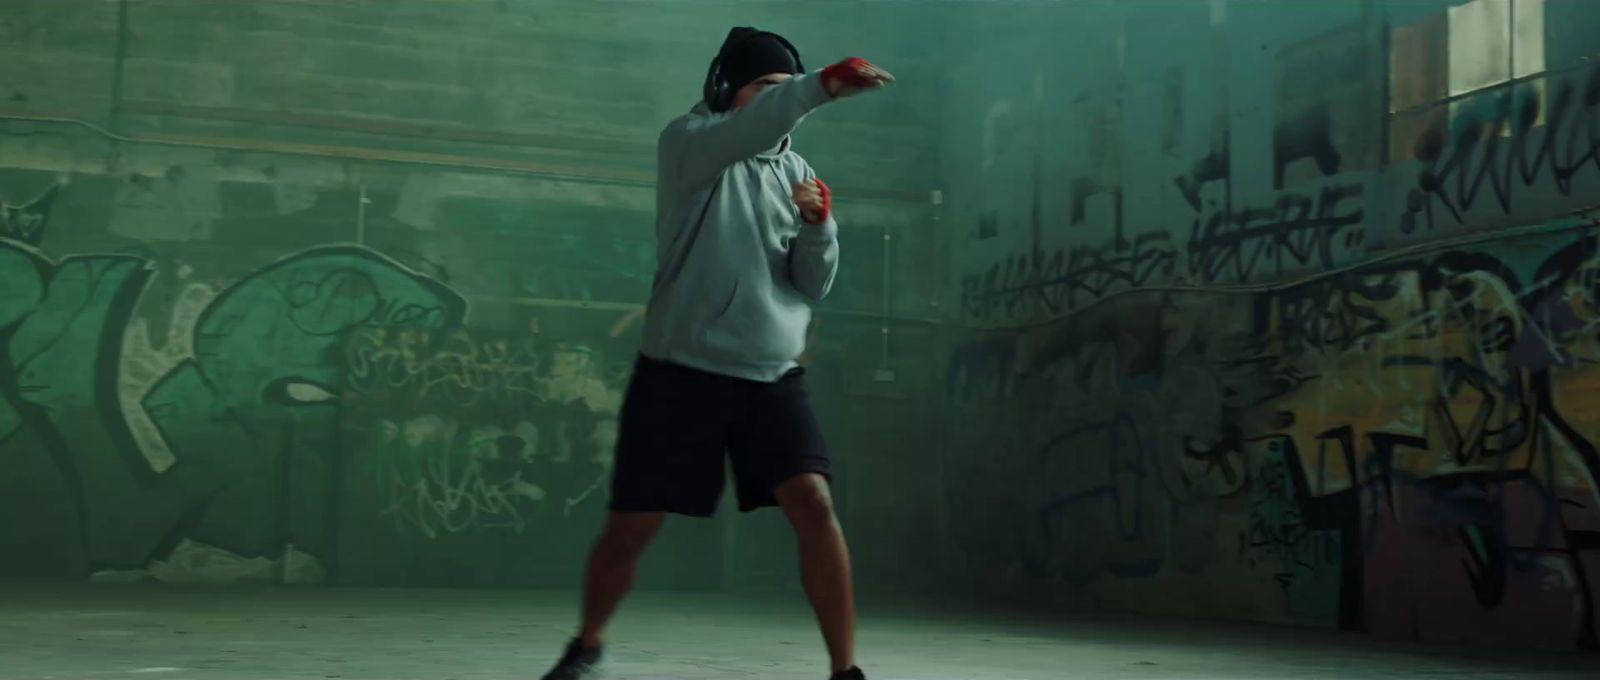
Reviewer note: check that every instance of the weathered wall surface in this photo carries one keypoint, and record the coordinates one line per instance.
(315, 291)
(1284, 312)
(1270, 311)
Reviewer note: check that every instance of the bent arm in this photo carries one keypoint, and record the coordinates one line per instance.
(814, 253)
(705, 145)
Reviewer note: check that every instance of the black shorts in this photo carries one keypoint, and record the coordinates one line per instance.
(677, 423)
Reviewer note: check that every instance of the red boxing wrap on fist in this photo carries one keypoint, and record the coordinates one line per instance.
(827, 203)
(848, 72)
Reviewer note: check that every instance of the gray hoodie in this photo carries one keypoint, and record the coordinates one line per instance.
(736, 267)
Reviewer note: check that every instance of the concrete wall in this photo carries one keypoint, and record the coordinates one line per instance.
(347, 292)
(1281, 311)
(1230, 309)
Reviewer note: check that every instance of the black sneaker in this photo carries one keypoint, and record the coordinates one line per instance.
(577, 663)
(853, 674)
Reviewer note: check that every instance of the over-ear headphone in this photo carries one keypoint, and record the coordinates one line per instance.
(718, 91)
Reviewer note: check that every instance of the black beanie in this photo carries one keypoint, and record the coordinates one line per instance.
(750, 54)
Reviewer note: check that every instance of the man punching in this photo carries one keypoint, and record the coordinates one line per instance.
(746, 240)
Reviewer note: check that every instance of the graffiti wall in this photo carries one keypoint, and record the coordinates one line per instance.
(330, 413)
(366, 320)
(222, 434)
(463, 440)
(1312, 386)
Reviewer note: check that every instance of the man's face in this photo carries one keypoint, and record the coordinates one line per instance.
(749, 92)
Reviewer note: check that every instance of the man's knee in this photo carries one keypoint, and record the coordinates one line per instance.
(629, 533)
(806, 500)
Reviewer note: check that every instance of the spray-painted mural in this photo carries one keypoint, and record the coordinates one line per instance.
(1394, 438)
(223, 449)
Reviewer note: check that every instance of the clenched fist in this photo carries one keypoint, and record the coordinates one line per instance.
(854, 76)
(814, 200)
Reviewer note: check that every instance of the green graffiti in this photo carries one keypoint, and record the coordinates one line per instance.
(251, 418)
(22, 279)
(59, 382)
(259, 401)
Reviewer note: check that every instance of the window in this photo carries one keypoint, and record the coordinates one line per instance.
(1459, 63)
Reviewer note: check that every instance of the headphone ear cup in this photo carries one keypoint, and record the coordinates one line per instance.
(716, 88)
(708, 90)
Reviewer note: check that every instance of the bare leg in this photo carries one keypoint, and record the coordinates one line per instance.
(613, 565)
(824, 563)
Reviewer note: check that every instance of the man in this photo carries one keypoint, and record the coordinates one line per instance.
(745, 240)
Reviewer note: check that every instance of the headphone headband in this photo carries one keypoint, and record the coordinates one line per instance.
(717, 91)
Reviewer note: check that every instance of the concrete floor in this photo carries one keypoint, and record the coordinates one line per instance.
(292, 633)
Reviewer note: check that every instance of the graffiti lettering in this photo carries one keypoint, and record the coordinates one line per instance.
(1500, 144)
(478, 431)
(1298, 231)
(1057, 282)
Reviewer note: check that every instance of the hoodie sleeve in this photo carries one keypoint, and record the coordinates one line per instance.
(708, 144)
(814, 252)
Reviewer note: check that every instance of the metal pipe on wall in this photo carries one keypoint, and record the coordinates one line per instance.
(338, 153)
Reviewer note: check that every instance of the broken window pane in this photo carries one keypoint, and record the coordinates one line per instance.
(1527, 37)
(1480, 45)
(1417, 64)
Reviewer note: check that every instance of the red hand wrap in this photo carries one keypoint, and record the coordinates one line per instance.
(827, 202)
(848, 72)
